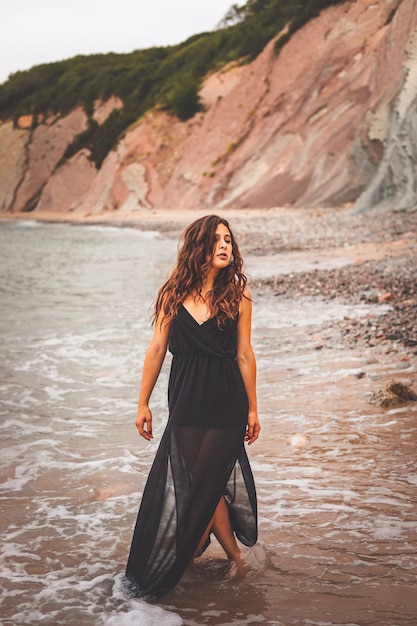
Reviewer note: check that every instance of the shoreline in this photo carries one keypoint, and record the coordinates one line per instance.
(325, 254)
(262, 231)
(134, 219)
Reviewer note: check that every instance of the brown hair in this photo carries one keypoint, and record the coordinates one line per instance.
(195, 251)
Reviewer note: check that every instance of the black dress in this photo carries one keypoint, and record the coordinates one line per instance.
(201, 456)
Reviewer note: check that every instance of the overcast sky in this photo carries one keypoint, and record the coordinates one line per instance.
(41, 31)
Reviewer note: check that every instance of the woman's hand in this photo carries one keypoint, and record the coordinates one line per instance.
(144, 418)
(253, 429)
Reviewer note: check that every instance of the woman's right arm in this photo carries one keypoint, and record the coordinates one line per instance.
(154, 358)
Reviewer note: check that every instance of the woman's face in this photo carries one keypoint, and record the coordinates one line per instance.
(222, 248)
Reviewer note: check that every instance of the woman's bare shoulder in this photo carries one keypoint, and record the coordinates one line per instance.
(245, 305)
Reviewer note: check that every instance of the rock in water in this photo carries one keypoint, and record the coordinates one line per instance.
(393, 394)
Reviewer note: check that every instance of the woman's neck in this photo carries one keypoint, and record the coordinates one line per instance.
(208, 282)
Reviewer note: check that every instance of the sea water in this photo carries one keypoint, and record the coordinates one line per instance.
(336, 477)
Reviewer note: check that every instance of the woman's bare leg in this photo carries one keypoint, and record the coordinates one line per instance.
(204, 537)
(222, 529)
(200, 545)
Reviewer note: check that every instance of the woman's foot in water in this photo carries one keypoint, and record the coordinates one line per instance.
(237, 567)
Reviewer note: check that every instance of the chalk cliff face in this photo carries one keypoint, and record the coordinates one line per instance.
(395, 182)
(329, 120)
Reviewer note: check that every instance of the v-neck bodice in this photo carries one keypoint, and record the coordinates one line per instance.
(206, 386)
(192, 316)
(188, 337)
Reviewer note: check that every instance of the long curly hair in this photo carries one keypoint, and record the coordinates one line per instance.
(195, 253)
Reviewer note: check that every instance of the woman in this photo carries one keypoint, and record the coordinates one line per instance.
(200, 481)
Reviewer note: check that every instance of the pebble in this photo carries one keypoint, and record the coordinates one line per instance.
(360, 375)
(375, 376)
(402, 365)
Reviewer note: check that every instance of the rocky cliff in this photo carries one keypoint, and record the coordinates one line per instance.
(331, 119)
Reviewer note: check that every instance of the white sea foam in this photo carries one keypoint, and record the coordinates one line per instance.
(138, 611)
(27, 224)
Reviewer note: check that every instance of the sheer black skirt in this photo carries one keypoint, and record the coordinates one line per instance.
(193, 468)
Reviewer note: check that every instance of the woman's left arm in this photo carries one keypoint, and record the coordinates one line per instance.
(247, 365)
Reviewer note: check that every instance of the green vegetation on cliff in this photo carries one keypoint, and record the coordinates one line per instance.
(165, 77)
